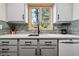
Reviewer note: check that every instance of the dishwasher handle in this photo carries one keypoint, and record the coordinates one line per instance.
(70, 42)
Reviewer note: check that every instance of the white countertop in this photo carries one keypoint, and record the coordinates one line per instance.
(40, 36)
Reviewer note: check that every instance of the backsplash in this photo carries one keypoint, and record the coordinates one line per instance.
(5, 28)
(74, 28)
(20, 28)
(23, 29)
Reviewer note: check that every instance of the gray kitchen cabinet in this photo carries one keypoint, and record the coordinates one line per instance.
(64, 11)
(8, 47)
(15, 11)
(28, 47)
(27, 50)
(48, 47)
(48, 51)
(38, 47)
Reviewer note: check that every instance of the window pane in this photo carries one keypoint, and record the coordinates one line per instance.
(34, 17)
(45, 22)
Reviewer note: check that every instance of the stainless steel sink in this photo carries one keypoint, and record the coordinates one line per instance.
(33, 35)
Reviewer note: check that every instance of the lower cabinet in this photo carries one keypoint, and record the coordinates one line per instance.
(8, 47)
(48, 47)
(28, 47)
(49, 51)
(27, 51)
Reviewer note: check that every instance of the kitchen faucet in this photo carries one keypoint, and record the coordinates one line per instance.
(38, 30)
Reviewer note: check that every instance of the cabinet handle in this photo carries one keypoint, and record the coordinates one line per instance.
(48, 43)
(36, 51)
(5, 49)
(40, 51)
(5, 42)
(23, 16)
(58, 16)
(28, 43)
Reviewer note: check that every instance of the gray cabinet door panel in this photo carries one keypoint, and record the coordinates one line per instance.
(27, 51)
(48, 52)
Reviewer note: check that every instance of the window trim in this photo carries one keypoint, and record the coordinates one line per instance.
(30, 22)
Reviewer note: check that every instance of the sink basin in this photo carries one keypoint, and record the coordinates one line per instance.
(33, 35)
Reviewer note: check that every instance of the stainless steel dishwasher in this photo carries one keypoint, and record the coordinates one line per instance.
(69, 47)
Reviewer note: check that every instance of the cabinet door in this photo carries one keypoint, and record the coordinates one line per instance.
(49, 52)
(64, 10)
(15, 11)
(3, 11)
(75, 11)
(27, 51)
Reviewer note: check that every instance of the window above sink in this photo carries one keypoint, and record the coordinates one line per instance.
(43, 12)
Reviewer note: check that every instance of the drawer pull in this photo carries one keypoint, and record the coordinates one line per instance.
(5, 48)
(5, 41)
(28, 43)
(48, 42)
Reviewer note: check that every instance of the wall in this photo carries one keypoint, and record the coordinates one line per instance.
(5, 27)
(74, 28)
(23, 29)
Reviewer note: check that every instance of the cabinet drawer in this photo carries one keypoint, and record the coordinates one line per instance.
(8, 54)
(8, 42)
(28, 42)
(48, 42)
(8, 48)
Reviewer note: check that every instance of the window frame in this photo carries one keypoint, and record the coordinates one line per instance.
(40, 17)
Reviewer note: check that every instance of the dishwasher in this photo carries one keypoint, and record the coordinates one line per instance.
(69, 47)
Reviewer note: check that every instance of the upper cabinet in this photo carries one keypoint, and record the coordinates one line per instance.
(3, 11)
(75, 11)
(15, 12)
(64, 11)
